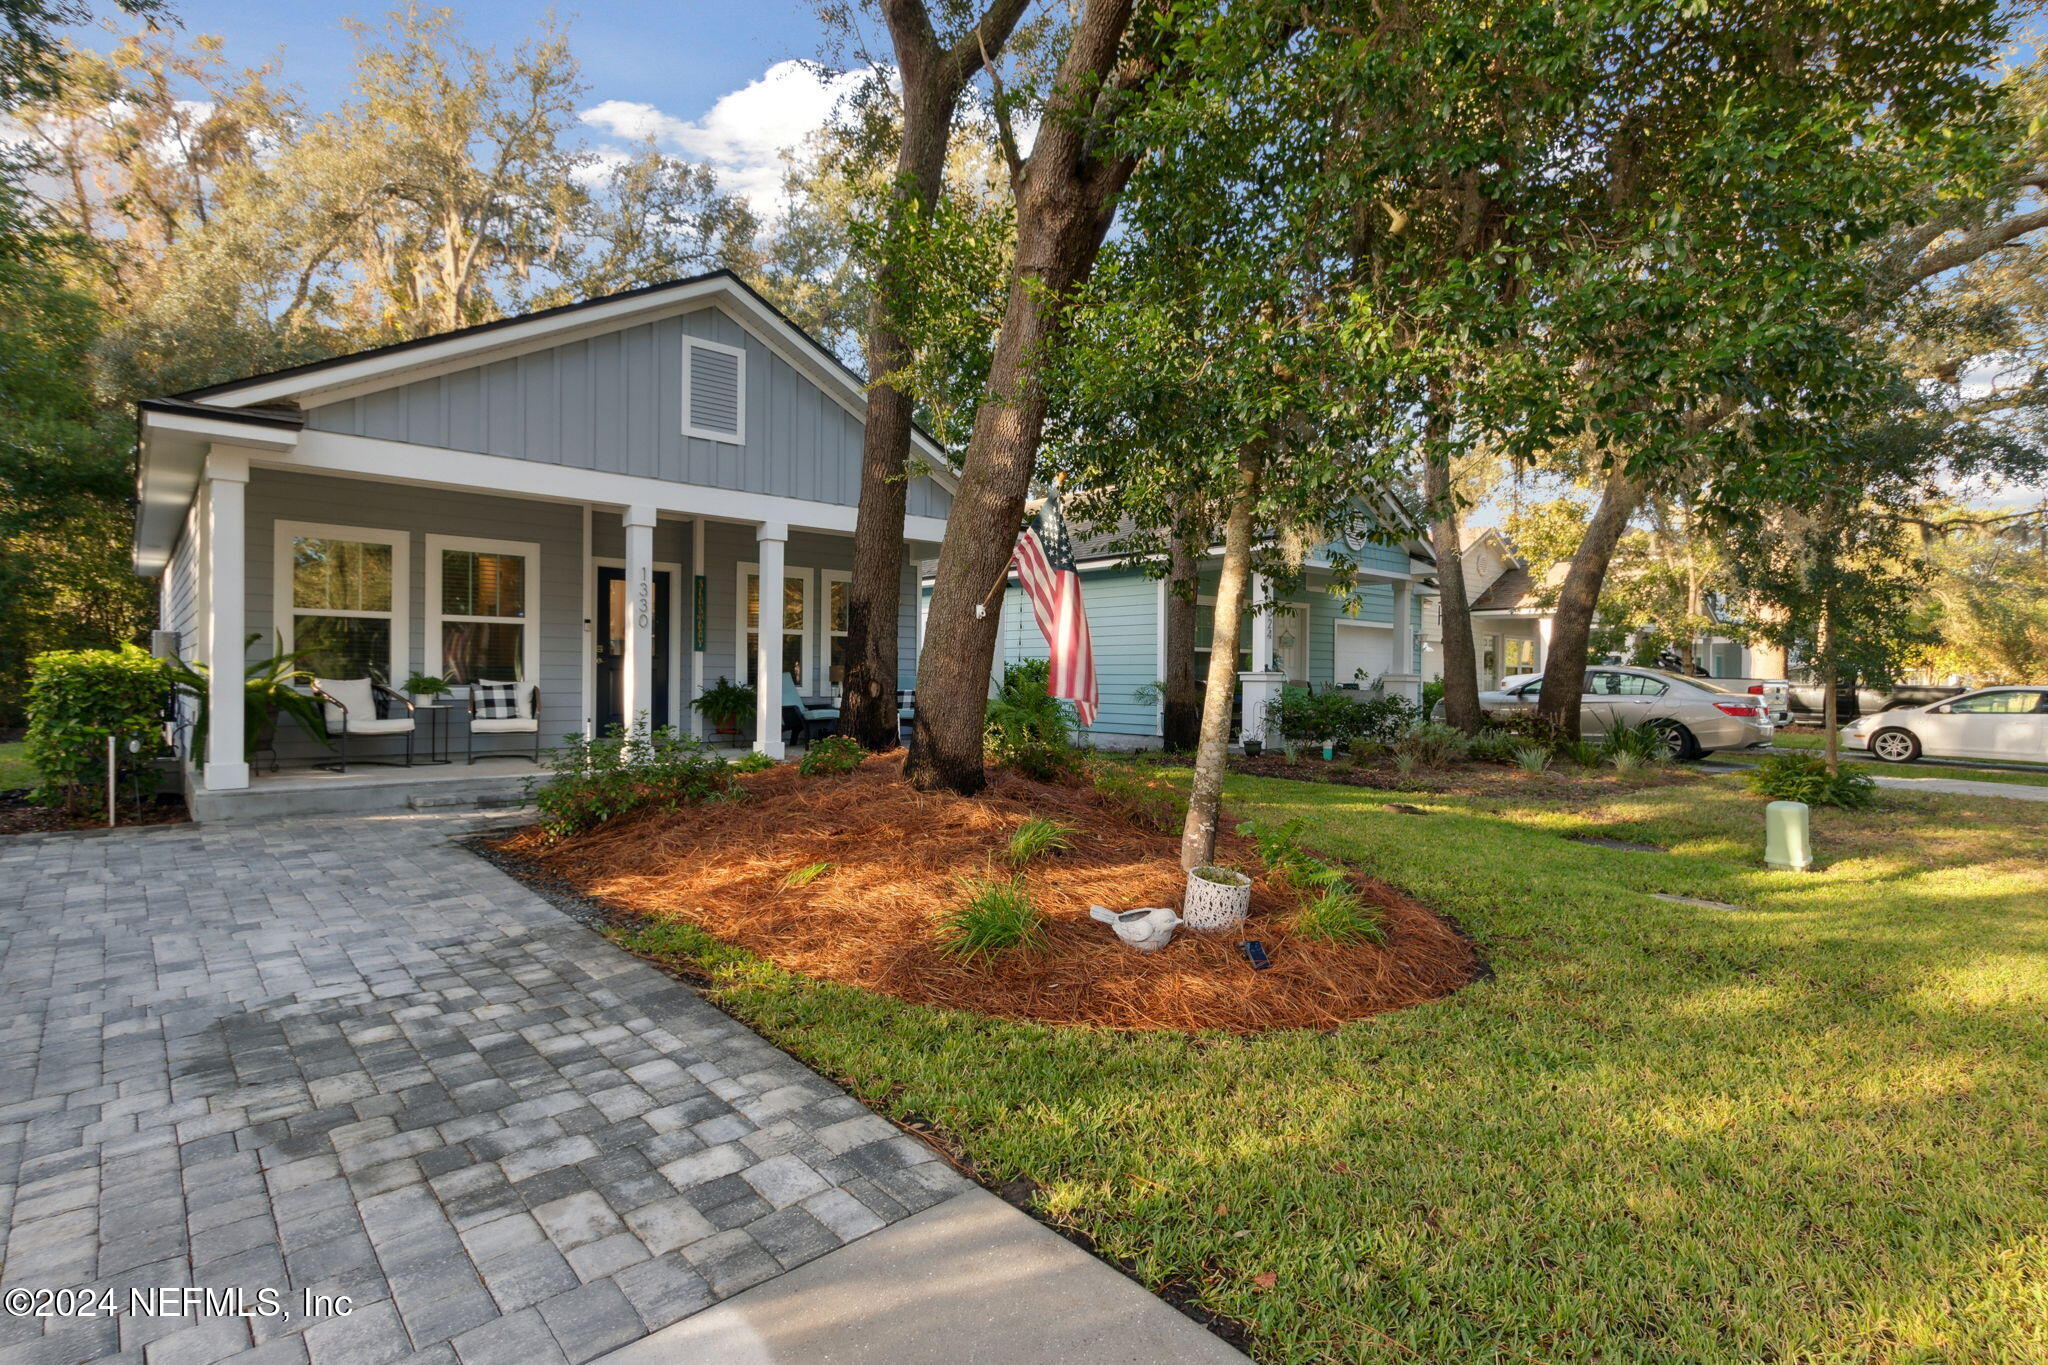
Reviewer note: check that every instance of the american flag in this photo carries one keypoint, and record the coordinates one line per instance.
(1044, 560)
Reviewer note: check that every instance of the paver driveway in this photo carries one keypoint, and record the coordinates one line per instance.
(348, 1056)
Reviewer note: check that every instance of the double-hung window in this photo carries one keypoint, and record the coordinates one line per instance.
(482, 618)
(341, 599)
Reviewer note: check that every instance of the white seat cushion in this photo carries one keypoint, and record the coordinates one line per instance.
(504, 727)
(353, 693)
(398, 725)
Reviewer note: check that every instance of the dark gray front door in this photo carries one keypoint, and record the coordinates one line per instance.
(613, 621)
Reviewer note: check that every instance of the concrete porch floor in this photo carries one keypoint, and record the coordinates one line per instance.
(372, 788)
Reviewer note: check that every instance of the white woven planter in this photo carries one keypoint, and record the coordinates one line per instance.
(1217, 899)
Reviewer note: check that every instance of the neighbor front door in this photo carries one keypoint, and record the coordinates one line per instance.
(613, 620)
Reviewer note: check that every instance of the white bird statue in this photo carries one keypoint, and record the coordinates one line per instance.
(1146, 930)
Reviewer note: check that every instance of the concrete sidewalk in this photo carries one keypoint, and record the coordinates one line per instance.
(1952, 786)
(971, 1281)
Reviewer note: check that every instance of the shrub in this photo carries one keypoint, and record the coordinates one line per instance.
(1281, 851)
(996, 917)
(1495, 746)
(1382, 717)
(1805, 777)
(752, 761)
(1147, 801)
(1029, 729)
(1339, 916)
(1532, 758)
(76, 699)
(1404, 762)
(1432, 693)
(1580, 751)
(1035, 836)
(1643, 742)
(832, 754)
(1626, 762)
(1528, 725)
(595, 780)
(1432, 744)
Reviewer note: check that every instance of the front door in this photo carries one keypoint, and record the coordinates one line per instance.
(613, 620)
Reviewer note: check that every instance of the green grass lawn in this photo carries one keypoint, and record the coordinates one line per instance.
(14, 769)
(1814, 1128)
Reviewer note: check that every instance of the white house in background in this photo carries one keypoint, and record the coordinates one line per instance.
(585, 499)
(1512, 616)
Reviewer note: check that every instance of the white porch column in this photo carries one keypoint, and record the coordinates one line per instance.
(1262, 623)
(227, 563)
(772, 537)
(638, 683)
(1542, 643)
(1402, 678)
(1262, 682)
(691, 607)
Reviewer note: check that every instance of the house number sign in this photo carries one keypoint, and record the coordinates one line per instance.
(697, 617)
(643, 609)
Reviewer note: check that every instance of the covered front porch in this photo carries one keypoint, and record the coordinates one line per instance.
(609, 615)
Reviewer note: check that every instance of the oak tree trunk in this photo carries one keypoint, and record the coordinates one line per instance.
(1182, 711)
(1205, 799)
(1461, 662)
(1564, 671)
(932, 81)
(1066, 198)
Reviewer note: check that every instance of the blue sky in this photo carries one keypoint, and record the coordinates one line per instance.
(714, 82)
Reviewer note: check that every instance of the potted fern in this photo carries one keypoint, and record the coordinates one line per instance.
(729, 706)
(424, 687)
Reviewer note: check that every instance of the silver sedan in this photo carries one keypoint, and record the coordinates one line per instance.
(1695, 715)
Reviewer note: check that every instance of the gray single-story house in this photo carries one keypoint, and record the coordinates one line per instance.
(584, 499)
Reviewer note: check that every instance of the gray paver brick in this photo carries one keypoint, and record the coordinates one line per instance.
(346, 1054)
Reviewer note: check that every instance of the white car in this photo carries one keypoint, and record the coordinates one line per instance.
(1993, 722)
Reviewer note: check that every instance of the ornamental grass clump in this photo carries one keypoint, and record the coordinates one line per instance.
(1644, 743)
(805, 875)
(996, 917)
(1805, 777)
(1337, 915)
(1036, 836)
(1532, 758)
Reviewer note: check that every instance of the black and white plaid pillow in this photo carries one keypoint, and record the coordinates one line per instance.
(496, 700)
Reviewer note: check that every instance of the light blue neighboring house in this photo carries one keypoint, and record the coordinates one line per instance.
(1320, 633)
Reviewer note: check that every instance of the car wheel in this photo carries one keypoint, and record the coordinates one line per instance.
(1895, 746)
(1678, 741)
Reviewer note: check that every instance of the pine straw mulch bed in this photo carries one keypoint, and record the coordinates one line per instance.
(1463, 778)
(898, 858)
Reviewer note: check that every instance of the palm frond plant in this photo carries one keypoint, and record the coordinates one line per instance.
(270, 688)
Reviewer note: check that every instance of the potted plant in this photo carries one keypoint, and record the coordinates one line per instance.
(729, 706)
(270, 688)
(424, 687)
(1253, 748)
(1218, 898)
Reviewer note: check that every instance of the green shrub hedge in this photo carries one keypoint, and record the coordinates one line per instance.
(1805, 777)
(76, 699)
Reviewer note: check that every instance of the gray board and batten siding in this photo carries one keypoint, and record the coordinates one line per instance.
(614, 402)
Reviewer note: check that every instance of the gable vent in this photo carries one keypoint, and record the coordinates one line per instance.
(714, 377)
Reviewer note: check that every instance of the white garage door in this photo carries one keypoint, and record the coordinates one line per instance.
(1363, 646)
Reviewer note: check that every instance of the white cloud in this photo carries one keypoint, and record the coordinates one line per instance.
(744, 134)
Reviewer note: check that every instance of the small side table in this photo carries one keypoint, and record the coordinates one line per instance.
(436, 718)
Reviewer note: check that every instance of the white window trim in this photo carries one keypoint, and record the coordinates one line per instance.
(284, 611)
(826, 578)
(530, 550)
(741, 654)
(732, 438)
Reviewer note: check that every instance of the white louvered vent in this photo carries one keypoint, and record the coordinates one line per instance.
(714, 379)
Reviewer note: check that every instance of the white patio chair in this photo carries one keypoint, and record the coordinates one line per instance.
(350, 705)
